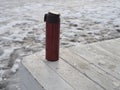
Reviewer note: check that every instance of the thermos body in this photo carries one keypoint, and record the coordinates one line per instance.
(52, 36)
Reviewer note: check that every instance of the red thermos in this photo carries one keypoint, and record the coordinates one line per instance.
(52, 20)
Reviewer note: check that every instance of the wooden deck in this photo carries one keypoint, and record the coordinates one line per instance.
(85, 67)
(25, 80)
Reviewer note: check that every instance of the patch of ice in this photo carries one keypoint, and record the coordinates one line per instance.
(1, 51)
(18, 61)
(7, 53)
(1, 74)
(8, 27)
(2, 19)
(41, 37)
(15, 68)
(116, 21)
(16, 36)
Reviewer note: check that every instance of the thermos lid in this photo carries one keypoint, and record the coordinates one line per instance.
(52, 17)
(55, 13)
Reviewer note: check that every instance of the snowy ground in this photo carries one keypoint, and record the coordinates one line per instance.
(22, 30)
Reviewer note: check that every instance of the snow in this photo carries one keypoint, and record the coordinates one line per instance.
(1, 74)
(22, 29)
(6, 53)
(15, 68)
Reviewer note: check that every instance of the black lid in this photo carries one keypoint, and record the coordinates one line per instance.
(52, 17)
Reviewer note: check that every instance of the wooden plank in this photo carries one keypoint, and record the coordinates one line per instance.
(44, 74)
(75, 78)
(26, 80)
(105, 41)
(112, 46)
(97, 75)
(100, 58)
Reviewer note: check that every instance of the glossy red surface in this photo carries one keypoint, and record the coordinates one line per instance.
(52, 41)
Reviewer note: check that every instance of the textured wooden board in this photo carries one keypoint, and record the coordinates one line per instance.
(97, 75)
(62, 70)
(75, 78)
(85, 67)
(26, 80)
(48, 78)
(100, 58)
(112, 46)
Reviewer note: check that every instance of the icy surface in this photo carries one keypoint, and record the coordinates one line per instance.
(22, 29)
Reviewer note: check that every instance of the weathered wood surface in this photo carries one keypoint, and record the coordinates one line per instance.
(100, 57)
(95, 74)
(47, 77)
(26, 80)
(112, 46)
(85, 67)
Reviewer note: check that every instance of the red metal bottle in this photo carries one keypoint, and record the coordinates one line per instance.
(52, 20)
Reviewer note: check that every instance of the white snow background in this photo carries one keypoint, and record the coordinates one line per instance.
(22, 29)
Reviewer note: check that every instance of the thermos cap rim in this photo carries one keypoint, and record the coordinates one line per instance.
(54, 12)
